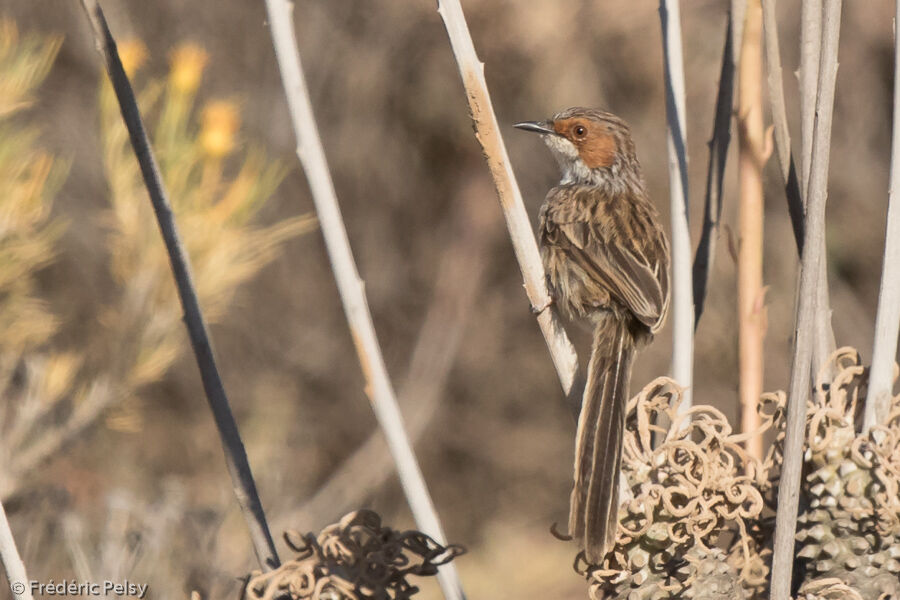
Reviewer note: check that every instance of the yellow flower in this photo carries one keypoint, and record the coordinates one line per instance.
(132, 53)
(186, 64)
(221, 120)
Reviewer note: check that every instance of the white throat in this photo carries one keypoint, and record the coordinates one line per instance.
(613, 179)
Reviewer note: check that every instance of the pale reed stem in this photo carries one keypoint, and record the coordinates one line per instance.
(795, 429)
(12, 562)
(881, 375)
(682, 289)
(487, 131)
(351, 287)
(751, 297)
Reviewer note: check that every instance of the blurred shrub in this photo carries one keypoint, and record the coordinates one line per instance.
(216, 190)
(29, 178)
(215, 212)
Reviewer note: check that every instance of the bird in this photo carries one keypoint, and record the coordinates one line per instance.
(607, 262)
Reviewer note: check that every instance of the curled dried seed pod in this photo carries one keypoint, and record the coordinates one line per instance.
(355, 559)
(851, 527)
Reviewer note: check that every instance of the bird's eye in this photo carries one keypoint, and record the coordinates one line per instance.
(580, 130)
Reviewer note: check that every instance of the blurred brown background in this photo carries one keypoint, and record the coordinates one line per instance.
(494, 437)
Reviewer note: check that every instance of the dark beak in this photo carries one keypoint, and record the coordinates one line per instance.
(543, 127)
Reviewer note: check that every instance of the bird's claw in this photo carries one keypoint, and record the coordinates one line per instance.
(536, 310)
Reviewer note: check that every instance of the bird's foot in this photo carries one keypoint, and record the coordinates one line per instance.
(536, 310)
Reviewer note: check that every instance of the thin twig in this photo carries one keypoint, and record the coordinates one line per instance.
(810, 51)
(789, 486)
(12, 562)
(751, 296)
(487, 131)
(776, 94)
(779, 117)
(878, 399)
(351, 287)
(682, 289)
(718, 154)
(233, 447)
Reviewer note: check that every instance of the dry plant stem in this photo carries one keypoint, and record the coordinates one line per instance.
(682, 289)
(751, 296)
(738, 11)
(823, 344)
(810, 46)
(459, 279)
(779, 117)
(487, 131)
(776, 90)
(12, 562)
(233, 447)
(351, 287)
(789, 486)
(878, 399)
(718, 153)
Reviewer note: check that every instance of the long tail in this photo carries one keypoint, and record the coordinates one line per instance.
(594, 507)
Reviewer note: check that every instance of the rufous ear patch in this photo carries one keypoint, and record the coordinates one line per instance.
(595, 143)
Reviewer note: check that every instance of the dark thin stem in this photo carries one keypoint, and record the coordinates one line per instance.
(795, 206)
(718, 153)
(235, 455)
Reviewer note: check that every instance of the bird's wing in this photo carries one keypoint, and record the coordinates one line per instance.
(602, 238)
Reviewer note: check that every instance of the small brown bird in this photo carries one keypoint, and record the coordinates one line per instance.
(607, 262)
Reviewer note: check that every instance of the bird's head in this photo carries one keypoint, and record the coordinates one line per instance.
(591, 146)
